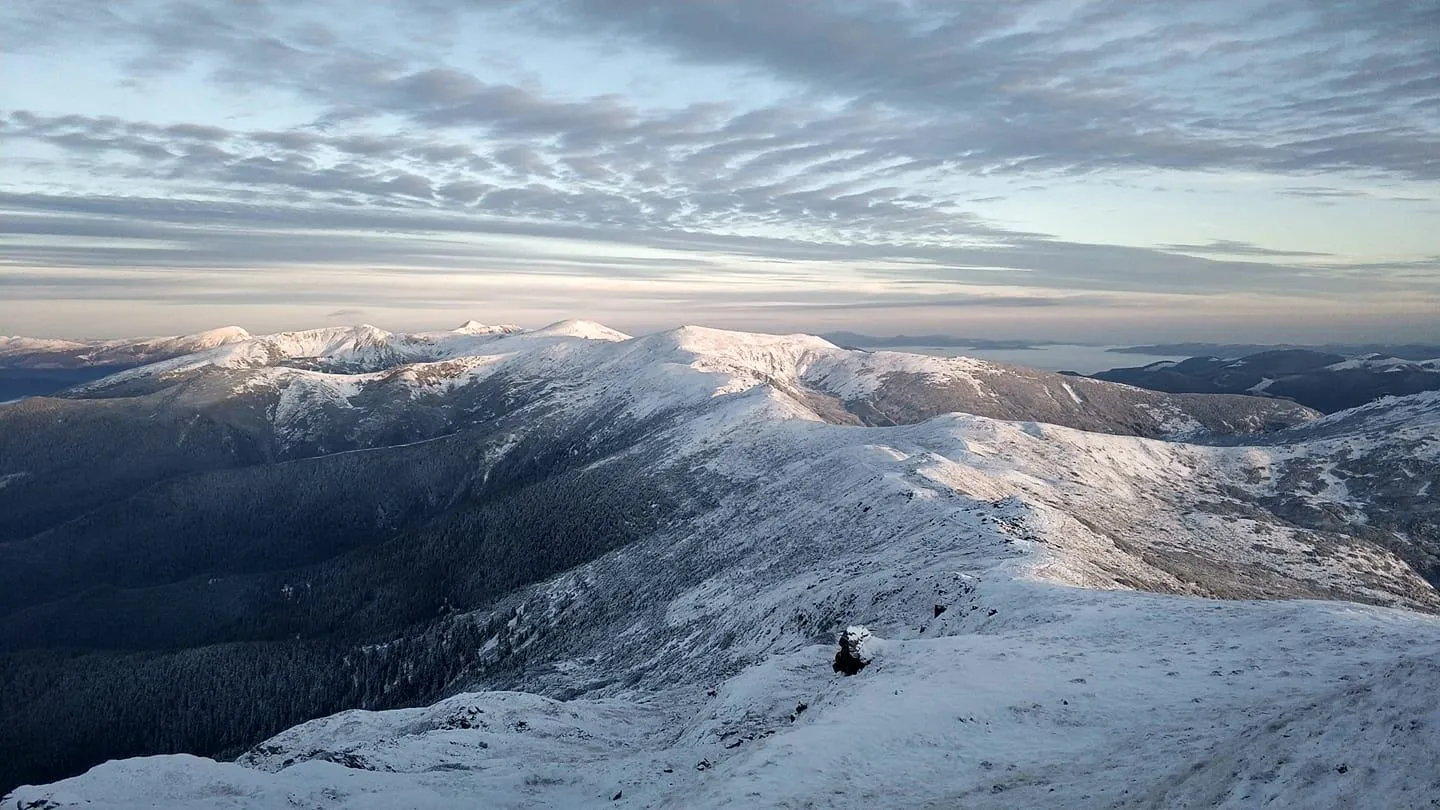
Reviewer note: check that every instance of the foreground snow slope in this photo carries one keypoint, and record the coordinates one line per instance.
(1082, 699)
(1003, 567)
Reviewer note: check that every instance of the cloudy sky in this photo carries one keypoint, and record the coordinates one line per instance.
(1106, 170)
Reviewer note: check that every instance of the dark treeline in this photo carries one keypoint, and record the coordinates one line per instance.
(65, 710)
(207, 609)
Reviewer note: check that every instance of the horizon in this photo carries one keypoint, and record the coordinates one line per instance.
(1024, 342)
(1046, 170)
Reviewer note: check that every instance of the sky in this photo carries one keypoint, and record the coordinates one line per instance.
(1103, 170)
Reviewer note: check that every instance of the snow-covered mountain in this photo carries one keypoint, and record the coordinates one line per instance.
(22, 352)
(681, 367)
(1322, 380)
(40, 367)
(1080, 594)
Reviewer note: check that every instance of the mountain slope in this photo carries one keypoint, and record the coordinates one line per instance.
(623, 525)
(1018, 691)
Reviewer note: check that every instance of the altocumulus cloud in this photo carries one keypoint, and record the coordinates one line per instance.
(824, 156)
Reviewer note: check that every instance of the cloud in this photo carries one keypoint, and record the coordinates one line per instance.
(161, 233)
(753, 135)
(1077, 87)
(961, 301)
(1229, 247)
(1028, 86)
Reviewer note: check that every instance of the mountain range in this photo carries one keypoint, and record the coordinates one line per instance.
(569, 567)
(1324, 381)
(1231, 351)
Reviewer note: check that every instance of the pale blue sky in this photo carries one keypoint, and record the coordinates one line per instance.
(1106, 170)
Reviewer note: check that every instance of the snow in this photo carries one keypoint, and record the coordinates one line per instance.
(1172, 423)
(42, 353)
(1079, 659)
(476, 328)
(1378, 362)
(301, 393)
(677, 369)
(588, 330)
(16, 344)
(1118, 699)
(199, 341)
(1369, 361)
(365, 348)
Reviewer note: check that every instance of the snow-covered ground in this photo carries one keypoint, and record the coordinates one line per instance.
(1075, 699)
(1040, 598)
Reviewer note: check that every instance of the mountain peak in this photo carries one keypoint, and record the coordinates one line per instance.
(474, 327)
(590, 330)
(709, 337)
(213, 337)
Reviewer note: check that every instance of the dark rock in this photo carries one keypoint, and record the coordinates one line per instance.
(852, 655)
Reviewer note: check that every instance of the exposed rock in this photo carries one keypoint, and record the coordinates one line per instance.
(854, 653)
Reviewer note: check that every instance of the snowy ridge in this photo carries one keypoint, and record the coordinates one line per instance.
(41, 353)
(682, 368)
(10, 345)
(476, 328)
(361, 348)
(1397, 411)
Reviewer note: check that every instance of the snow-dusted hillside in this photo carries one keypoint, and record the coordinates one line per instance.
(1061, 617)
(1325, 381)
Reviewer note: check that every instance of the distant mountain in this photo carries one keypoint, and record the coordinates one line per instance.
(37, 353)
(1324, 381)
(37, 366)
(605, 569)
(1404, 351)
